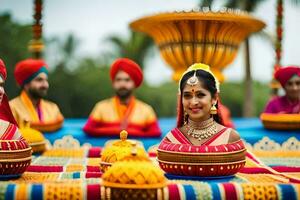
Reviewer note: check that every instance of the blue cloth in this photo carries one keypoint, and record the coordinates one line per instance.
(250, 129)
(37, 192)
(287, 191)
(76, 175)
(10, 195)
(215, 191)
(189, 192)
(43, 69)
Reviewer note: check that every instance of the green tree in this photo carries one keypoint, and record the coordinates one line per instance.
(136, 47)
(248, 106)
(232, 95)
(64, 50)
(249, 6)
(163, 98)
(77, 86)
(77, 91)
(13, 48)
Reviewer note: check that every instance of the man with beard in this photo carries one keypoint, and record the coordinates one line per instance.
(32, 76)
(123, 111)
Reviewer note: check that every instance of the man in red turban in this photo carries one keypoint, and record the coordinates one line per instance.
(8, 124)
(32, 76)
(289, 78)
(123, 111)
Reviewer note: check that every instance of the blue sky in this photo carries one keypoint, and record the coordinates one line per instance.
(93, 20)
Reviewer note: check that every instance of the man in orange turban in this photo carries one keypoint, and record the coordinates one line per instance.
(289, 78)
(123, 111)
(32, 76)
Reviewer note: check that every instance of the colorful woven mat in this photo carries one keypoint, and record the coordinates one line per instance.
(75, 174)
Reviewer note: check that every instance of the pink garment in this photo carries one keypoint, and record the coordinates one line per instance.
(175, 136)
(282, 105)
(176, 141)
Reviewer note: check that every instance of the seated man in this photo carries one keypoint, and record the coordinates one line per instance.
(32, 76)
(8, 124)
(289, 78)
(123, 111)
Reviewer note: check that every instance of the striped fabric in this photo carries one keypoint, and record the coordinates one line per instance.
(51, 177)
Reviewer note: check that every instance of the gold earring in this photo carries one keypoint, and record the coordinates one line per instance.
(213, 110)
(185, 118)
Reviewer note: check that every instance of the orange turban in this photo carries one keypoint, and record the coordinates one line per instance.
(128, 66)
(285, 73)
(2, 70)
(28, 69)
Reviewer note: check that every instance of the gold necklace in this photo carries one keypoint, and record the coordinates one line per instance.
(201, 130)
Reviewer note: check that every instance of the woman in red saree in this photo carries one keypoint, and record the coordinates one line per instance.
(8, 124)
(200, 145)
(15, 153)
(199, 122)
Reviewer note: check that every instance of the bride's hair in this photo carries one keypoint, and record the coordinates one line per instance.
(208, 82)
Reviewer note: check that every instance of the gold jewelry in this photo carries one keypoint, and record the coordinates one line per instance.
(185, 118)
(193, 80)
(201, 130)
(213, 110)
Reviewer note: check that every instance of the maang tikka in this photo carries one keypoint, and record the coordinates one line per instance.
(193, 80)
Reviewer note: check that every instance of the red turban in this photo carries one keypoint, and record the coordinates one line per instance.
(5, 111)
(2, 70)
(285, 73)
(128, 66)
(28, 69)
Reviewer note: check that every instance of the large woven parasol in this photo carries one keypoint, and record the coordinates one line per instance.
(184, 38)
